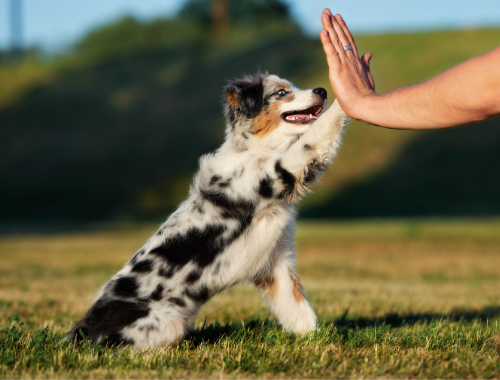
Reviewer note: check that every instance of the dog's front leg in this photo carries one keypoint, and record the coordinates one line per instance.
(286, 297)
(314, 151)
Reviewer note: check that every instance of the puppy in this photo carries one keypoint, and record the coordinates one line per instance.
(236, 225)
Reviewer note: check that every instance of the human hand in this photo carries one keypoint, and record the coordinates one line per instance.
(350, 75)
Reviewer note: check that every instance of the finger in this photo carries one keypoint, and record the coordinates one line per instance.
(326, 19)
(327, 12)
(332, 56)
(340, 32)
(365, 60)
(348, 34)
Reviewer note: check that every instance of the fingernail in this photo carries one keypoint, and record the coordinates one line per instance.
(340, 17)
(329, 11)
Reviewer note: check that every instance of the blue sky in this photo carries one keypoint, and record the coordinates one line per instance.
(55, 24)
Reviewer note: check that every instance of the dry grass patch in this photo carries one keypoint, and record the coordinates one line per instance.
(396, 299)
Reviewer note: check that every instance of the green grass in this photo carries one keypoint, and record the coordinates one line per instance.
(424, 349)
(395, 299)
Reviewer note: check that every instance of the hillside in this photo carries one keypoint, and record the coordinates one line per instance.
(118, 136)
(382, 172)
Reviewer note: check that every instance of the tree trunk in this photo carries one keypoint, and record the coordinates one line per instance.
(220, 19)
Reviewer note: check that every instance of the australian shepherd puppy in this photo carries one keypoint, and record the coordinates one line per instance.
(236, 225)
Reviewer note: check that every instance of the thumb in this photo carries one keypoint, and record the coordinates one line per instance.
(365, 60)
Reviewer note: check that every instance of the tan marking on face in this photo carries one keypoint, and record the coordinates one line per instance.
(268, 285)
(298, 291)
(232, 99)
(262, 160)
(267, 120)
(286, 86)
(289, 98)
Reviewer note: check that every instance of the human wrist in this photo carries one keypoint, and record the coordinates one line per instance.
(362, 106)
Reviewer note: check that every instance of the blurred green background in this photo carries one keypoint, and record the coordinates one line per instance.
(112, 128)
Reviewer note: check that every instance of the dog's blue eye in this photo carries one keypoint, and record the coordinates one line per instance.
(281, 92)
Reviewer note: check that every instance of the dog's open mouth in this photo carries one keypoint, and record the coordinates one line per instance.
(303, 116)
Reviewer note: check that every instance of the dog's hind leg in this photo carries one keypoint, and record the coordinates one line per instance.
(286, 297)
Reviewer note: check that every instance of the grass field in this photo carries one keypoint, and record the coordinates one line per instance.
(396, 299)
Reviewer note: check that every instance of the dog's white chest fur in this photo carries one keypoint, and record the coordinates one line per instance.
(236, 225)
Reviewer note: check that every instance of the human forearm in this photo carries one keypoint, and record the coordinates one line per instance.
(466, 94)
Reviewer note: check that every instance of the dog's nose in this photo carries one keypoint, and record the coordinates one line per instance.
(320, 91)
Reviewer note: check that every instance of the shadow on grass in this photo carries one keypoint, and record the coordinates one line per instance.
(211, 334)
(44, 228)
(55, 228)
(399, 320)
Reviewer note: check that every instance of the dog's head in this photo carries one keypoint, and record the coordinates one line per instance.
(270, 110)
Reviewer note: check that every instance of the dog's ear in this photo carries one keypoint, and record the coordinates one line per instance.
(246, 96)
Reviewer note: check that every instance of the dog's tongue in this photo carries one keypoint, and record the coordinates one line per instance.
(301, 118)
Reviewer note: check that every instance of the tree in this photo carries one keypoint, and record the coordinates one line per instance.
(220, 14)
(220, 19)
